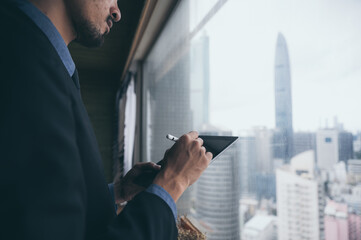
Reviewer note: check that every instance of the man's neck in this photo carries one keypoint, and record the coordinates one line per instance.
(56, 11)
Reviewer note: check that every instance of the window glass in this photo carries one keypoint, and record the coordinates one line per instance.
(284, 76)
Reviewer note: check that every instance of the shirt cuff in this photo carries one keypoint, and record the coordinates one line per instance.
(163, 194)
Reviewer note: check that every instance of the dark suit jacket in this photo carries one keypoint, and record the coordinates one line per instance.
(52, 184)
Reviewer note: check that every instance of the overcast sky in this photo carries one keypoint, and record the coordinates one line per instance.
(324, 43)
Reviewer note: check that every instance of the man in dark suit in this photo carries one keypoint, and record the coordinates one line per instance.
(51, 177)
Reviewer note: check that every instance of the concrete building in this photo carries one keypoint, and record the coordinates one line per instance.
(300, 201)
(283, 102)
(217, 195)
(327, 148)
(336, 221)
(260, 227)
(264, 175)
(304, 141)
(246, 147)
(263, 143)
(345, 146)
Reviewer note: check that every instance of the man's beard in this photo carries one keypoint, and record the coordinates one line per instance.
(88, 35)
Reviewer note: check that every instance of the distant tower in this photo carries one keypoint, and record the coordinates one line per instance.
(283, 99)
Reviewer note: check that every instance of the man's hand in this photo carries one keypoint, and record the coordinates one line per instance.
(183, 165)
(126, 188)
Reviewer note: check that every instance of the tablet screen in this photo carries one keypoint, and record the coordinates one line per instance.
(217, 144)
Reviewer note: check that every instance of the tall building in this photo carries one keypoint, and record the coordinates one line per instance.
(303, 141)
(327, 148)
(264, 172)
(217, 195)
(263, 143)
(283, 102)
(333, 145)
(246, 147)
(345, 146)
(300, 201)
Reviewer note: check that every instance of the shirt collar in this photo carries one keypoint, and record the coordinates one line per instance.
(44, 23)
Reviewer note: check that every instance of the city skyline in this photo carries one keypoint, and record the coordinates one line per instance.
(324, 49)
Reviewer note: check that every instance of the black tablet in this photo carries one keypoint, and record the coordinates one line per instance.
(214, 144)
(217, 144)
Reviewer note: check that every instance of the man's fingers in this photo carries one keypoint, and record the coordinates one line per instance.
(193, 134)
(147, 166)
(209, 156)
(200, 140)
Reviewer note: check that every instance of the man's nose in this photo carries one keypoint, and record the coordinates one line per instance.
(115, 13)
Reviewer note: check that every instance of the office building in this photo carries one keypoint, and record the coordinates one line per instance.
(327, 148)
(217, 195)
(303, 141)
(345, 146)
(246, 148)
(300, 202)
(264, 174)
(283, 102)
(263, 143)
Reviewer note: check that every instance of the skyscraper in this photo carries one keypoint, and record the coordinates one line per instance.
(345, 146)
(303, 141)
(217, 194)
(247, 165)
(327, 148)
(283, 138)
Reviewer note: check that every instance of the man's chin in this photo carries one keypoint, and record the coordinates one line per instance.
(91, 42)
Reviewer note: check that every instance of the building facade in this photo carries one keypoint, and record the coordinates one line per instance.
(327, 148)
(283, 102)
(299, 200)
(217, 195)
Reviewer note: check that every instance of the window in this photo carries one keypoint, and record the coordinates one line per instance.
(274, 73)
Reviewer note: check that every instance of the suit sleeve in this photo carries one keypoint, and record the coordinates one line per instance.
(146, 217)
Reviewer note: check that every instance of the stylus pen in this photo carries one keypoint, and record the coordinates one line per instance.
(172, 138)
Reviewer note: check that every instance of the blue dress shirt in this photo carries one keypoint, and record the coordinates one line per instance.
(48, 28)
